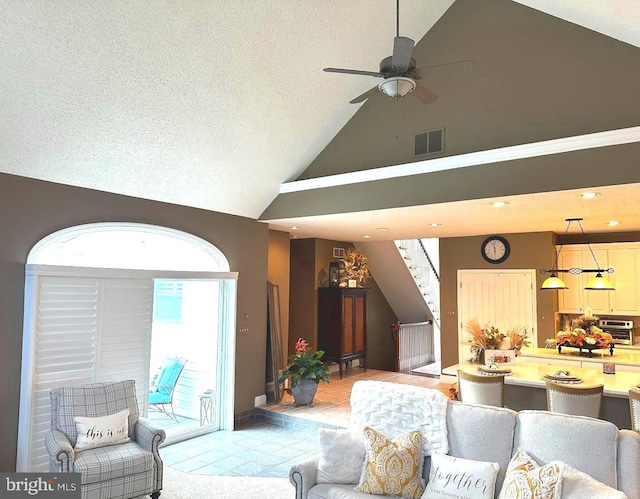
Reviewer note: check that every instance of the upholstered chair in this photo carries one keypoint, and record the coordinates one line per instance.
(634, 403)
(574, 400)
(479, 389)
(96, 431)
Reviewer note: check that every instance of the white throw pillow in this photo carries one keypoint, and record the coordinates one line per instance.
(579, 485)
(102, 431)
(457, 478)
(341, 456)
(526, 478)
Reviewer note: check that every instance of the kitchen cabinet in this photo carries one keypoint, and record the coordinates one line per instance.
(342, 325)
(625, 261)
(624, 258)
(576, 298)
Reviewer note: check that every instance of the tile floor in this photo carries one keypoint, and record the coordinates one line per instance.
(280, 434)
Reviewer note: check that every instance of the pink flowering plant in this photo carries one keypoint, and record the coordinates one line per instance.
(305, 364)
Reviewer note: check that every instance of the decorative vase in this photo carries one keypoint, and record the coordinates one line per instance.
(304, 392)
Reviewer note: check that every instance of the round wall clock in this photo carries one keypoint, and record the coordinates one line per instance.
(495, 249)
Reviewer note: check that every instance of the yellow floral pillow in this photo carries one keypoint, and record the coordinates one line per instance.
(526, 479)
(392, 467)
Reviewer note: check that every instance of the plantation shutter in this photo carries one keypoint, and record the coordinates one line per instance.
(83, 330)
(124, 333)
(64, 343)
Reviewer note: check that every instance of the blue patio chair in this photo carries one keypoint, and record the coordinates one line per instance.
(163, 384)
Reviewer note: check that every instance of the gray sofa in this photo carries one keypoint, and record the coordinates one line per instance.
(485, 433)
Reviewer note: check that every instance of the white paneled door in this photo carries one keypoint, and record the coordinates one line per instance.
(500, 298)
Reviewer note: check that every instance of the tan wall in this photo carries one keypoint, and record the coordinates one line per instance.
(302, 298)
(528, 251)
(31, 209)
(312, 256)
(279, 273)
(380, 316)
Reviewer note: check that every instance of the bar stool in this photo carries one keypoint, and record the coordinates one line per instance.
(478, 389)
(573, 400)
(634, 403)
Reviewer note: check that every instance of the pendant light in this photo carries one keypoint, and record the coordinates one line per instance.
(598, 283)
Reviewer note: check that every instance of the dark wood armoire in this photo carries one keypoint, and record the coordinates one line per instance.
(342, 325)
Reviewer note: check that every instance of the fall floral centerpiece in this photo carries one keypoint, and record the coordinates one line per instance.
(354, 267)
(582, 332)
(487, 337)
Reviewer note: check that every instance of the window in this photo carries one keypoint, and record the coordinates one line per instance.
(167, 301)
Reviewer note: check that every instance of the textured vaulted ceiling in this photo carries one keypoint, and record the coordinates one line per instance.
(215, 104)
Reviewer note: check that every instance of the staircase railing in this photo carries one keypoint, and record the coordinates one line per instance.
(414, 345)
(423, 272)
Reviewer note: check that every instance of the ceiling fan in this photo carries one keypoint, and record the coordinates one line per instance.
(400, 73)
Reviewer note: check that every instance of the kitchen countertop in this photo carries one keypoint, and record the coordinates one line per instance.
(531, 375)
(621, 355)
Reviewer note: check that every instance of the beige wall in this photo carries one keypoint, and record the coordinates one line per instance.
(309, 269)
(528, 251)
(31, 209)
(302, 297)
(278, 272)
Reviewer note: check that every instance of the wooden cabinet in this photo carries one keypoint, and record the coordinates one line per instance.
(342, 325)
(624, 258)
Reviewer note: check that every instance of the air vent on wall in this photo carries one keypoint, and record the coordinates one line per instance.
(338, 252)
(429, 142)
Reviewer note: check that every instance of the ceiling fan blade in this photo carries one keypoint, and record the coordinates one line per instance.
(352, 72)
(364, 96)
(453, 68)
(402, 49)
(423, 94)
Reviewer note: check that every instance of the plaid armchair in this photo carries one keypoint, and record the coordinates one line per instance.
(119, 471)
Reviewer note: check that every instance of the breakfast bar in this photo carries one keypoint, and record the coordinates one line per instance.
(525, 386)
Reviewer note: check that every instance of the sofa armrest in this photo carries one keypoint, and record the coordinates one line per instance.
(149, 435)
(303, 476)
(629, 463)
(60, 450)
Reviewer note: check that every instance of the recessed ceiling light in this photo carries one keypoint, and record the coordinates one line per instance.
(589, 195)
(295, 227)
(382, 229)
(499, 204)
(435, 225)
(366, 236)
(613, 223)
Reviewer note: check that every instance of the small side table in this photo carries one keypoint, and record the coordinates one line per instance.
(206, 407)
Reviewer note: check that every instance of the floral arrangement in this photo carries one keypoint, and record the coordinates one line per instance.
(354, 266)
(491, 338)
(305, 364)
(582, 331)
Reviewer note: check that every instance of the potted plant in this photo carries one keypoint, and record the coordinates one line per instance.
(304, 372)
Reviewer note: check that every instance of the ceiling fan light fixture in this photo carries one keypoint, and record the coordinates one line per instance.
(397, 87)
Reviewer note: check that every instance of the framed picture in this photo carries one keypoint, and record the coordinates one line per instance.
(502, 357)
(334, 274)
